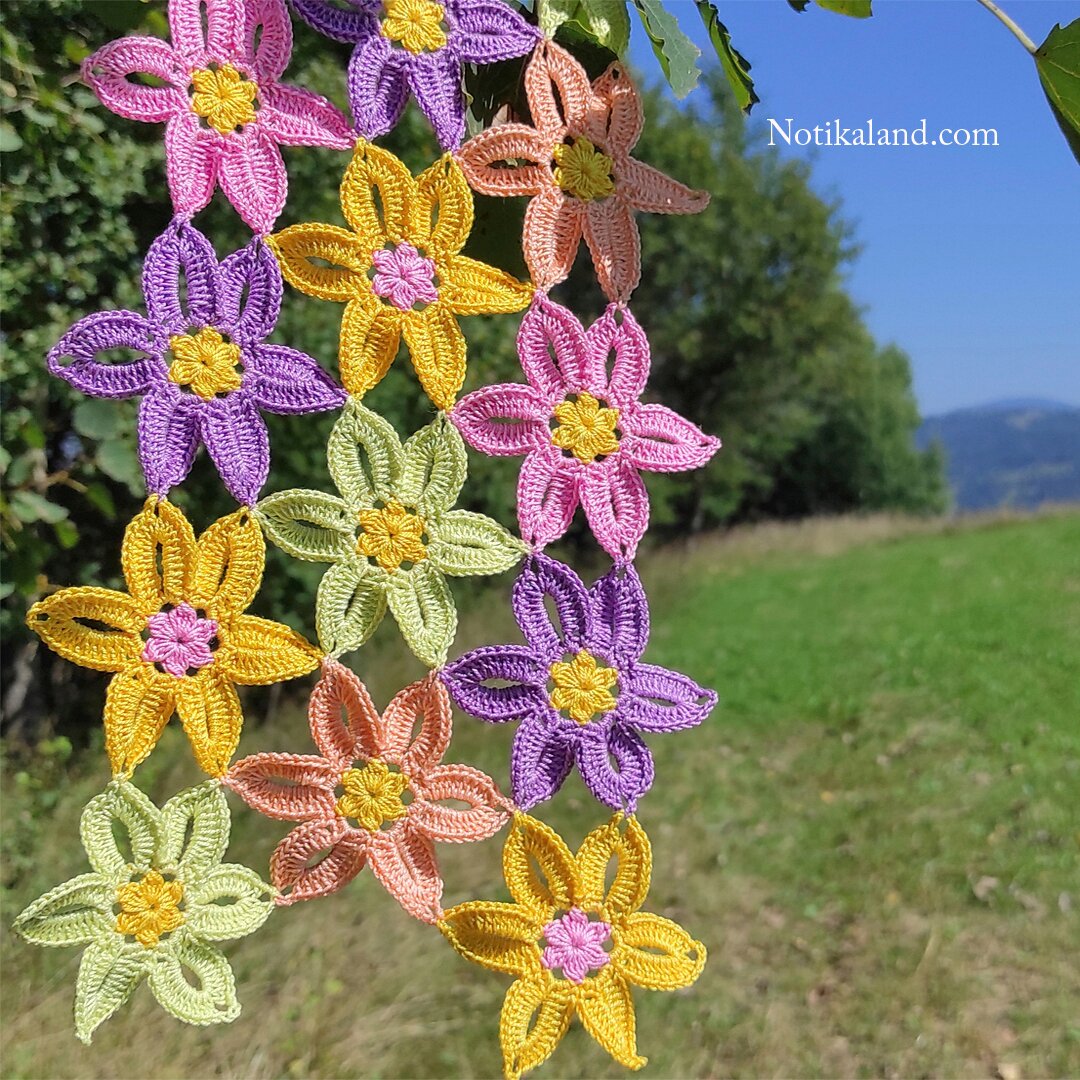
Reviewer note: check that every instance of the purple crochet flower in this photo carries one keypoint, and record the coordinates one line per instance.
(180, 640)
(203, 369)
(417, 46)
(578, 686)
(576, 945)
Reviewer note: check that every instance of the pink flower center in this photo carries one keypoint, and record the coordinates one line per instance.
(403, 276)
(180, 640)
(575, 944)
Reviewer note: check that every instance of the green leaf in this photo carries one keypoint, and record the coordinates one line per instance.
(308, 525)
(424, 609)
(798, 5)
(464, 544)
(196, 825)
(67, 535)
(607, 22)
(675, 51)
(735, 66)
(857, 9)
(229, 902)
(97, 419)
(212, 998)
(117, 459)
(74, 913)
(9, 139)
(1058, 62)
(349, 606)
(434, 467)
(29, 506)
(551, 14)
(108, 973)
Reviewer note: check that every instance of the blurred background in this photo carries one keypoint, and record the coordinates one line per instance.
(877, 834)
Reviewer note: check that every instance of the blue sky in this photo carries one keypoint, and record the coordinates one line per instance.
(971, 256)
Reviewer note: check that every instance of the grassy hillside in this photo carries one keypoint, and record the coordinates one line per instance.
(877, 835)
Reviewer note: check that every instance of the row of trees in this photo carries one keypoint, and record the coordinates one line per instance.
(754, 335)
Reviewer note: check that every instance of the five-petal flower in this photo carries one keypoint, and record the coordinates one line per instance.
(152, 908)
(578, 685)
(564, 900)
(575, 163)
(377, 763)
(583, 429)
(227, 111)
(399, 271)
(178, 588)
(202, 363)
(417, 47)
(391, 535)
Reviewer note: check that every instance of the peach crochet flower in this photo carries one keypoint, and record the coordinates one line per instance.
(576, 164)
(391, 784)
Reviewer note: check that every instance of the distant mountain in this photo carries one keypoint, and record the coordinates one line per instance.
(1021, 452)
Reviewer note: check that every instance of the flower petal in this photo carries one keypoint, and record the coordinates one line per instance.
(464, 544)
(621, 126)
(341, 24)
(138, 705)
(180, 279)
(618, 335)
(365, 457)
(370, 336)
(532, 846)
(540, 760)
(375, 196)
(269, 24)
(344, 721)
(308, 525)
(433, 470)
(465, 680)
(284, 380)
(656, 953)
(661, 700)
(615, 246)
(344, 279)
(547, 494)
(141, 824)
(192, 160)
(210, 712)
(253, 177)
(552, 349)
(291, 868)
(207, 995)
(186, 28)
(170, 431)
(648, 189)
(290, 787)
(607, 1013)
(237, 441)
(259, 652)
(660, 440)
(552, 235)
(619, 623)
(535, 1016)
(103, 332)
(378, 86)
(249, 292)
(622, 841)
(435, 80)
(441, 211)
(437, 350)
(503, 420)
(485, 160)
(424, 610)
(499, 937)
(558, 90)
(74, 913)
(158, 556)
(615, 765)
(196, 830)
(107, 71)
(350, 604)
(486, 32)
(228, 902)
(63, 621)
(474, 288)
(422, 707)
(229, 564)
(404, 862)
(295, 117)
(541, 578)
(109, 971)
(616, 504)
(484, 813)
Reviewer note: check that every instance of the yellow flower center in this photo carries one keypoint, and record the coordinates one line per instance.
(582, 687)
(223, 97)
(586, 428)
(206, 362)
(582, 171)
(149, 908)
(372, 795)
(417, 24)
(391, 536)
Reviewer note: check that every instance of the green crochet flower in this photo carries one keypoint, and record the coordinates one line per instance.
(391, 535)
(154, 909)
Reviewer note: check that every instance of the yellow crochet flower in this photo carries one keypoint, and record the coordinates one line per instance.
(585, 428)
(206, 362)
(373, 795)
(415, 23)
(586, 926)
(149, 908)
(582, 171)
(178, 640)
(391, 536)
(223, 98)
(583, 687)
(399, 271)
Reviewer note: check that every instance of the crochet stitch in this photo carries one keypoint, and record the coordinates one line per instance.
(177, 588)
(579, 451)
(400, 498)
(575, 164)
(224, 105)
(410, 231)
(577, 686)
(203, 366)
(564, 900)
(393, 837)
(154, 910)
(417, 47)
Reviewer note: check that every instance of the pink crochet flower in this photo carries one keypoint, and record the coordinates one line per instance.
(403, 276)
(576, 945)
(377, 794)
(584, 430)
(180, 640)
(225, 109)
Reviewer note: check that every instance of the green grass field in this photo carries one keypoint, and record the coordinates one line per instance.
(877, 835)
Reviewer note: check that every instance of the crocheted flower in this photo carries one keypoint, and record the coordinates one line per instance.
(576, 165)
(575, 943)
(583, 429)
(202, 363)
(226, 110)
(417, 47)
(578, 685)
(178, 639)
(391, 536)
(399, 272)
(153, 906)
(393, 794)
